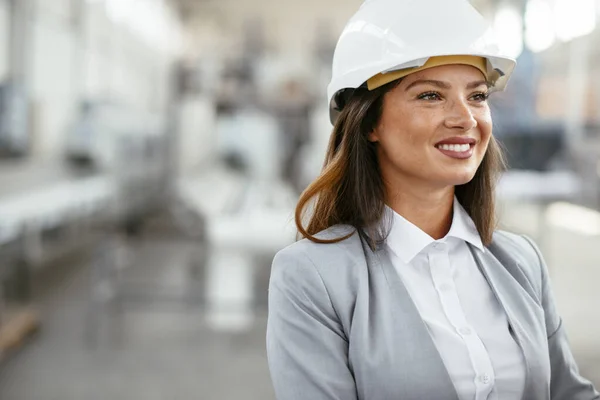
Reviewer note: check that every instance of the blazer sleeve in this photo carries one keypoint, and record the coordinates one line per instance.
(566, 383)
(306, 346)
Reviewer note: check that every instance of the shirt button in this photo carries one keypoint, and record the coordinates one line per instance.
(464, 331)
(439, 246)
(445, 287)
(485, 379)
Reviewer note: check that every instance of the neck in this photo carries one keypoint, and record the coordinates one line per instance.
(429, 210)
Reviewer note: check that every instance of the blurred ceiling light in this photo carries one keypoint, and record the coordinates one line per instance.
(153, 21)
(119, 10)
(539, 30)
(575, 218)
(574, 19)
(508, 26)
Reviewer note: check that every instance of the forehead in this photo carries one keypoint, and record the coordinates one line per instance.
(452, 73)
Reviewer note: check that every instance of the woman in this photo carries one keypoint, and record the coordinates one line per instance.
(402, 288)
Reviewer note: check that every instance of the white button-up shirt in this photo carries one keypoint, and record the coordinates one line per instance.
(465, 320)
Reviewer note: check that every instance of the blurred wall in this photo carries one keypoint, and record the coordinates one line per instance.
(3, 39)
(196, 136)
(52, 50)
(123, 66)
(78, 50)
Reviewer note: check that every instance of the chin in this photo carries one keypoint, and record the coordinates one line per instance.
(460, 178)
(462, 181)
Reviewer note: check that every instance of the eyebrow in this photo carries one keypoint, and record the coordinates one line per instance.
(444, 85)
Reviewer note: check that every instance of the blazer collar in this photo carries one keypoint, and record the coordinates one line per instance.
(522, 312)
(410, 328)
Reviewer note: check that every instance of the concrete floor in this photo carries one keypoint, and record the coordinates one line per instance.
(156, 346)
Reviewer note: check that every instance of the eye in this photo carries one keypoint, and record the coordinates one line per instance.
(429, 96)
(480, 97)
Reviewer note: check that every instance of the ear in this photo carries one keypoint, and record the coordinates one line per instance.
(373, 136)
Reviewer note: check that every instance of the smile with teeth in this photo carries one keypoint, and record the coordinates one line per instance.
(459, 148)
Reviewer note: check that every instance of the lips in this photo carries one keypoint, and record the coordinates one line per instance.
(457, 147)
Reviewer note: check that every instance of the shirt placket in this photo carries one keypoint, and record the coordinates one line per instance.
(441, 273)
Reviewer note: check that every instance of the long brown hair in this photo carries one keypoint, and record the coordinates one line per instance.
(350, 189)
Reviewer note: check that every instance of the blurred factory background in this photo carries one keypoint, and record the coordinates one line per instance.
(151, 153)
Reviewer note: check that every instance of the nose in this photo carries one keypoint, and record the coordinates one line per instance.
(460, 116)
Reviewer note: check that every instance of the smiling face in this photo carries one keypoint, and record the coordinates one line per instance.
(435, 127)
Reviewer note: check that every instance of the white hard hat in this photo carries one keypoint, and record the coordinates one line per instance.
(392, 38)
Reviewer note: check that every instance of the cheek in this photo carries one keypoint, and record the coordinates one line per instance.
(485, 129)
(399, 144)
(405, 136)
(484, 120)
(403, 148)
(406, 127)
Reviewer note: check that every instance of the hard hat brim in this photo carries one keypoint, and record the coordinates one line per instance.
(384, 78)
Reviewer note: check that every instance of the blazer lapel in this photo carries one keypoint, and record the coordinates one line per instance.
(524, 315)
(410, 330)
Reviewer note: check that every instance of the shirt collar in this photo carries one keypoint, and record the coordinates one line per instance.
(406, 240)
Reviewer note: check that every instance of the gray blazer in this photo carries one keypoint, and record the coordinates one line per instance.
(343, 326)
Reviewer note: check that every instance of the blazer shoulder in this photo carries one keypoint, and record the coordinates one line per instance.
(325, 261)
(522, 251)
(522, 247)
